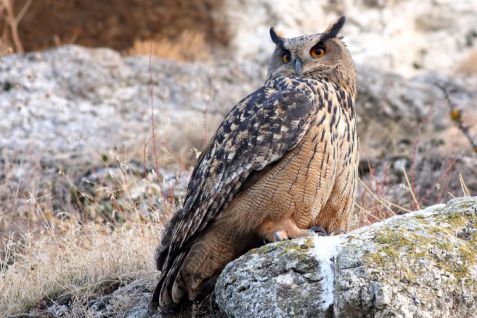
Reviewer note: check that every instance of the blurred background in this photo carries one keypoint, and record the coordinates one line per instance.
(105, 106)
(404, 36)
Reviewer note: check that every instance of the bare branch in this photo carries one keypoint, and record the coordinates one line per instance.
(456, 116)
(14, 21)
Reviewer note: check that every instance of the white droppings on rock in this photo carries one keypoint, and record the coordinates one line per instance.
(325, 250)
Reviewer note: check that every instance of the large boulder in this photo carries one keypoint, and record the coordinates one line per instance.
(419, 264)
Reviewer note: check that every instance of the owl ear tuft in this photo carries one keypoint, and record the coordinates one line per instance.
(334, 29)
(278, 40)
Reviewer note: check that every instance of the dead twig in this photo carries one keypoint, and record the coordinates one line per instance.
(416, 203)
(456, 116)
(464, 187)
(153, 123)
(13, 21)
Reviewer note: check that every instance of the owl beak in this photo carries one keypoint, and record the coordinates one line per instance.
(298, 67)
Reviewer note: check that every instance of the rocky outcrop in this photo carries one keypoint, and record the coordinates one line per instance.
(425, 35)
(72, 114)
(420, 264)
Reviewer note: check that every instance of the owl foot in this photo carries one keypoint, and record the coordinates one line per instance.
(318, 230)
(277, 236)
(282, 230)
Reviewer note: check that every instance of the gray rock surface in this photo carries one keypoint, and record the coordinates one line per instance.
(425, 36)
(423, 264)
(128, 300)
(75, 99)
(68, 111)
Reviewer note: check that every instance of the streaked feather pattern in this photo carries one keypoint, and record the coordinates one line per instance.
(243, 143)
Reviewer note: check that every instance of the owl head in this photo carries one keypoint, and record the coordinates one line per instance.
(320, 55)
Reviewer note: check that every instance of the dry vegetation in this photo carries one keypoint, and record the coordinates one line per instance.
(77, 258)
(81, 256)
(75, 261)
(9, 31)
(187, 47)
(111, 240)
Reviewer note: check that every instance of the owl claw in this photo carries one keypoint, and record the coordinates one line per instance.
(318, 230)
(277, 237)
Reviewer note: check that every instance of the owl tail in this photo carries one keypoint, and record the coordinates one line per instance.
(166, 292)
(170, 289)
(163, 250)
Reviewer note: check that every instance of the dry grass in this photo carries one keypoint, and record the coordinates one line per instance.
(375, 200)
(77, 260)
(82, 257)
(188, 46)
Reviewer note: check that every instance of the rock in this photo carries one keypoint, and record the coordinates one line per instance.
(405, 123)
(419, 264)
(279, 280)
(425, 36)
(129, 299)
(71, 110)
(390, 104)
(132, 300)
(54, 100)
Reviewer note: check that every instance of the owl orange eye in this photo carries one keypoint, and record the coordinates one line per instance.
(317, 51)
(286, 57)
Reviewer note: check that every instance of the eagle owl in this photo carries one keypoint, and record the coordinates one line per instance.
(283, 162)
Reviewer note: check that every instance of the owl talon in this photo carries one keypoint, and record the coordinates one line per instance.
(318, 230)
(277, 237)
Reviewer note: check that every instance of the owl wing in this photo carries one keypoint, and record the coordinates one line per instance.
(257, 132)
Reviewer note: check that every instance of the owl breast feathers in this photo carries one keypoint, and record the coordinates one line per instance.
(282, 162)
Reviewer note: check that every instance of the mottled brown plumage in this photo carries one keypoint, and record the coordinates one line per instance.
(283, 161)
